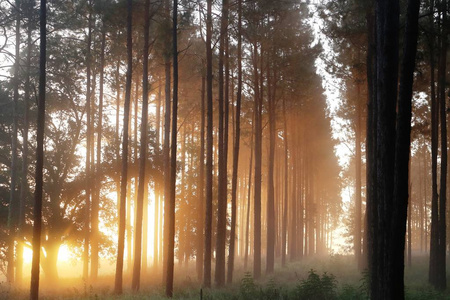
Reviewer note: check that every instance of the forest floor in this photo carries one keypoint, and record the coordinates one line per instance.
(330, 277)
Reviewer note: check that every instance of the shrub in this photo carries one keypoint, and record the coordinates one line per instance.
(248, 289)
(316, 287)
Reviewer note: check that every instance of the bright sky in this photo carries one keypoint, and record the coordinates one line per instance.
(339, 126)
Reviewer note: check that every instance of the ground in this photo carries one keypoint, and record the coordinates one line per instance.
(331, 277)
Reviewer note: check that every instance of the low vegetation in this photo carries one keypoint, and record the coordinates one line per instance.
(332, 278)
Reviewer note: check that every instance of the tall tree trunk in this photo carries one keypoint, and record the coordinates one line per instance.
(270, 258)
(393, 146)
(201, 186)
(135, 284)
(26, 120)
(38, 191)
(166, 148)
(157, 182)
(173, 158)
(209, 149)
(237, 138)
(13, 201)
(222, 183)
(145, 222)
(409, 216)
(258, 164)
(442, 282)
(386, 86)
(286, 188)
(293, 207)
(358, 200)
(96, 200)
(434, 238)
(124, 177)
(402, 152)
(88, 148)
(371, 142)
(250, 169)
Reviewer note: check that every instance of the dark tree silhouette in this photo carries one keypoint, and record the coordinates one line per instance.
(143, 156)
(124, 172)
(38, 192)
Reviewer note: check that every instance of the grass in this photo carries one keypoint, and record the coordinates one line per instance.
(327, 278)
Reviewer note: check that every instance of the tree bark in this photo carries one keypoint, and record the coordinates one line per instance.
(96, 199)
(286, 188)
(173, 159)
(271, 225)
(26, 120)
(166, 148)
(124, 177)
(258, 163)
(38, 192)
(135, 284)
(250, 169)
(237, 138)
(209, 150)
(13, 201)
(201, 186)
(358, 200)
(88, 148)
(219, 277)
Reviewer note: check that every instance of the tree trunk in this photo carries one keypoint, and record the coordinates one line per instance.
(38, 191)
(209, 150)
(222, 184)
(358, 200)
(166, 148)
(143, 156)
(173, 159)
(402, 152)
(442, 277)
(258, 163)
(26, 120)
(201, 186)
(157, 181)
(88, 149)
(250, 169)
(13, 201)
(96, 200)
(270, 258)
(434, 238)
(392, 147)
(237, 138)
(286, 188)
(124, 178)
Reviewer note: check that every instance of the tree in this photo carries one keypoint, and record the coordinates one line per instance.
(88, 147)
(258, 166)
(124, 173)
(236, 150)
(166, 147)
(25, 152)
(170, 225)
(209, 149)
(438, 244)
(13, 203)
(37, 225)
(143, 155)
(222, 185)
(392, 148)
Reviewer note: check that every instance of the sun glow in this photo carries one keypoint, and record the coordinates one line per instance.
(64, 254)
(70, 264)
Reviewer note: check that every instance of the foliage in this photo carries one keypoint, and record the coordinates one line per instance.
(248, 289)
(317, 287)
